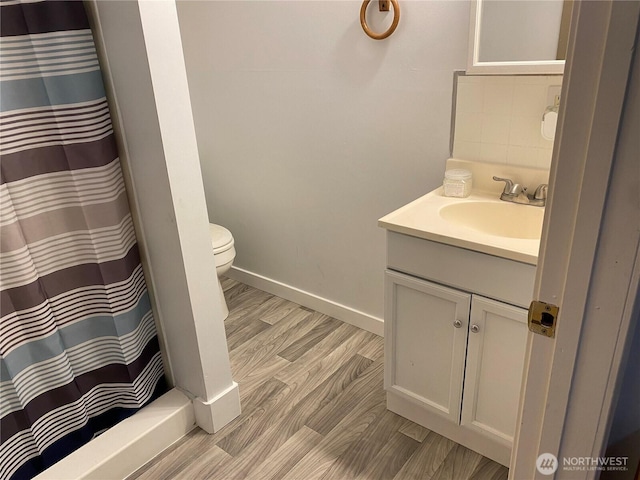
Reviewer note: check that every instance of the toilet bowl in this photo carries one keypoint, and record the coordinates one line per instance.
(223, 252)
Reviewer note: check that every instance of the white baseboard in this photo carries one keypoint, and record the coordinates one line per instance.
(309, 300)
(127, 446)
(214, 414)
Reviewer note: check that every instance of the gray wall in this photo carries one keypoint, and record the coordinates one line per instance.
(309, 131)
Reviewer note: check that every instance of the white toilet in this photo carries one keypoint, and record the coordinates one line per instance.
(224, 252)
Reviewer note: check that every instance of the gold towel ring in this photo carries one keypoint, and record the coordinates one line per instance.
(392, 28)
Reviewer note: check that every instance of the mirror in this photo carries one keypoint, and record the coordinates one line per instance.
(518, 37)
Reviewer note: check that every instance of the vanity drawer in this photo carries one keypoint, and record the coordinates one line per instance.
(494, 277)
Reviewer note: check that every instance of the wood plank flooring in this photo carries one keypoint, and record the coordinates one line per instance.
(313, 407)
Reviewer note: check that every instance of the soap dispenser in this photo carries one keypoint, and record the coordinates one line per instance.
(550, 120)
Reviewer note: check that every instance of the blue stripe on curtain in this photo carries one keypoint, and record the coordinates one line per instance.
(39, 92)
(38, 351)
(78, 347)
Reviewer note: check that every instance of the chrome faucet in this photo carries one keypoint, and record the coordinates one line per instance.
(539, 197)
(516, 193)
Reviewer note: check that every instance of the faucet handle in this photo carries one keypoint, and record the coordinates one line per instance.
(510, 188)
(508, 183)
(541, 192)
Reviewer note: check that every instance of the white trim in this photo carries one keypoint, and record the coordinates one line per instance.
(127, 446)
(212, 415)
(323, 305)
(569, 378)
(133, 194)
(553, 67)
(476, 67)
(156, 117)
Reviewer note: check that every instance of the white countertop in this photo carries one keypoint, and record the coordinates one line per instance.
(421, 218)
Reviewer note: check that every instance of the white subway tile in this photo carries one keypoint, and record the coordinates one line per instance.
(470, 98)
(468, 127)
(472, 79)
(467, 150)
(498, 99)
(544, 157)
(522, 156)
(525, 131)
(495, 129)
(508, 129)
(491, 152)
(538, 79)
(529, 100)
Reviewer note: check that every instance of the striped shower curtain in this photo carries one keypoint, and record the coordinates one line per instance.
(78, 345)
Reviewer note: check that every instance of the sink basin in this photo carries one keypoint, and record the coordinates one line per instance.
(501, 219)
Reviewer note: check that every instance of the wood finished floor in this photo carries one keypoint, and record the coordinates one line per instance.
(313, 407)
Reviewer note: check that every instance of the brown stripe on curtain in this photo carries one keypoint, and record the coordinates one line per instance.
(27, 296)
(45, 225)
(28, 18)
(77, 156)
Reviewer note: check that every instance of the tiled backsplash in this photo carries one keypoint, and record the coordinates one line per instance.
(497, 119)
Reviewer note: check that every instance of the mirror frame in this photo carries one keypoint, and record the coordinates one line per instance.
(475, 67)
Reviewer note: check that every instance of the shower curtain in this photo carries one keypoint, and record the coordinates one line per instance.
(78, 345)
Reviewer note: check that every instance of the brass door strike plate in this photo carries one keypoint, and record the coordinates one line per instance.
(542, 318)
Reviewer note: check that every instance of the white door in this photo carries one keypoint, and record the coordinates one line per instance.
(493, 375)
(430, 322)
(589, 263)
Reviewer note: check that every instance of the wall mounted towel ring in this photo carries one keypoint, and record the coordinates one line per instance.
(394, 24)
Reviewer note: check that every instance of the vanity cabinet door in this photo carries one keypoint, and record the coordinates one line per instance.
(493, 376)
(425, 342)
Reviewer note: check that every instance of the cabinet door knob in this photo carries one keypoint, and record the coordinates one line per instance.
(457, 324)
(475, 328)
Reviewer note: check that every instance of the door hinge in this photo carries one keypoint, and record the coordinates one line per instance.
(543, 318)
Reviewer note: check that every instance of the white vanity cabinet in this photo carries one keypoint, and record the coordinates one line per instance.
(453, 356)
(494, 366)
(426, 331)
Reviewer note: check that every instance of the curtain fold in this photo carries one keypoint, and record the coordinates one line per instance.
(78, 346)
